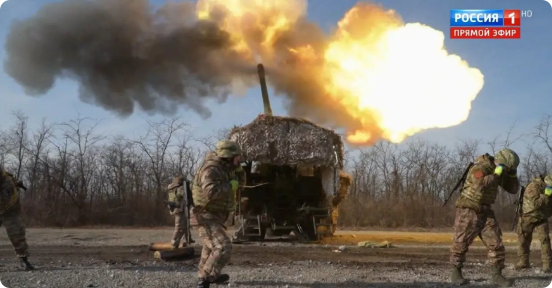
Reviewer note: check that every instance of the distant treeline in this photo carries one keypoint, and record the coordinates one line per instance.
(76, 176)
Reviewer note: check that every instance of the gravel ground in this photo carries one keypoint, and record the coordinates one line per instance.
(120, 258)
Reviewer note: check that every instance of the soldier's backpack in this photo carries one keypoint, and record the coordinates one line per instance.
(172, 198)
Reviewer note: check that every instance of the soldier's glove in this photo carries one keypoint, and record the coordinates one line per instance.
(239, 169)
(548, 191)
(499, 169)
(234, 184)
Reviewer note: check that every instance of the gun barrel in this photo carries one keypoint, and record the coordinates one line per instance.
(264, 90)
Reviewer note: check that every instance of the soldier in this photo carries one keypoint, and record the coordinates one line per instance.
(475, 217)
(213, 191)
(534, 216)
(178, 203)
(10, 210)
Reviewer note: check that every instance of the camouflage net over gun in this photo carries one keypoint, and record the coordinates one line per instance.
(289, 141)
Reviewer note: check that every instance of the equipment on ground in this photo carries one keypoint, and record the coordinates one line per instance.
(165, 251)
(178, 253)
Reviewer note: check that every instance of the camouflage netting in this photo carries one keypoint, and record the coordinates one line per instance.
(289, 141)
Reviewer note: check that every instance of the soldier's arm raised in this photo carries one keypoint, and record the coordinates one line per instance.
(533, 194)
(510, 183)
(482, 178)
(212, 184)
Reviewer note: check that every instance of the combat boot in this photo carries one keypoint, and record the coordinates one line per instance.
(499, 279)
(523, 263)
(25, 264)
(236, 238)
(175, 244)
(456, 277)
(203, 283)
(221, 279)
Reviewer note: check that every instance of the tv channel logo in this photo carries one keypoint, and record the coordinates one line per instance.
(485, 18)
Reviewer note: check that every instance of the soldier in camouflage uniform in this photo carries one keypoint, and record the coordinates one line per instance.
(475, 217)
(178, 203)
(213, 191)
(534, 216)
(10, 210)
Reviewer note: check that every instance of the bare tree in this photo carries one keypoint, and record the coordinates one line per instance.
(155, 145)
(78, 177)
(18, 140)
(542, 132)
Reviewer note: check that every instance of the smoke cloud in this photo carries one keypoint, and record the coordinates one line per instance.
(122, 53)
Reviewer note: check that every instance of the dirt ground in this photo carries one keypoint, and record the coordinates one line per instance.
(121, 258)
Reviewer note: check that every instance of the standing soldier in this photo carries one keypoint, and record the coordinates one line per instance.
(534, 216)
(178, 203)
(213, 191)
(10, 210)
(475, 217)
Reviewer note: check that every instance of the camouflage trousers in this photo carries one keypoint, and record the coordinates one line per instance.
(525, 236)
(217, 250)
(180, 228)
(15, 229)
(469, 224)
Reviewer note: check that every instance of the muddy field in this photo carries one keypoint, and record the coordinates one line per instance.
(120, 258)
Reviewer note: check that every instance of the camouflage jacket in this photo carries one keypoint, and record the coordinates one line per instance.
(481, 186)
(535, 202)
(211, 190)
(177, 196)
(9, 193)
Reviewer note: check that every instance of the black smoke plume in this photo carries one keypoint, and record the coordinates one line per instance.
(123, 52)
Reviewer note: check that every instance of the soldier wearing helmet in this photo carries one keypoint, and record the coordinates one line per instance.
(10, 211)
(534, 216)
(178, 203)
(213, 189)
(474, 214)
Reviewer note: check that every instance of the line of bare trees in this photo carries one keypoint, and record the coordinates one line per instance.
(76, 176)
(405, 187)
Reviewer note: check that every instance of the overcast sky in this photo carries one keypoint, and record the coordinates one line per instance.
(517, 74)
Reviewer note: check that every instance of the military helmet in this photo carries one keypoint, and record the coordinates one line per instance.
(227, 149)
(508, 158)
(548, 180)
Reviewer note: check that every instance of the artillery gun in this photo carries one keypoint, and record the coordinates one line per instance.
(293, 176)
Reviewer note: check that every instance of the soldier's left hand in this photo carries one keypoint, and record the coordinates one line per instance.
(499, 169)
